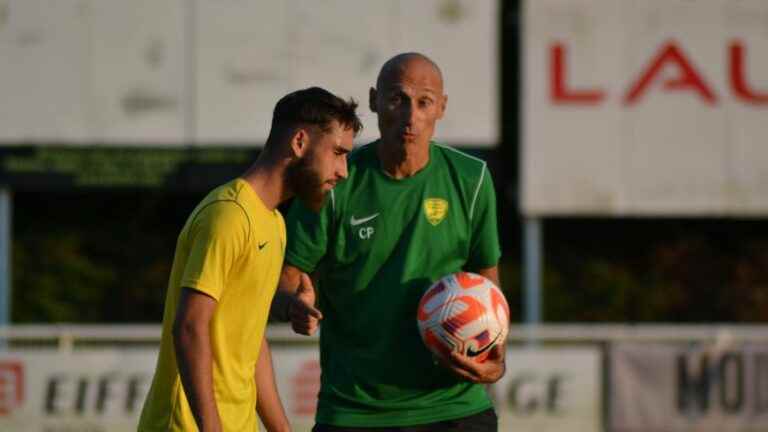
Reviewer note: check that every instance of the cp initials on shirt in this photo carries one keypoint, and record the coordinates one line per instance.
(365, 233)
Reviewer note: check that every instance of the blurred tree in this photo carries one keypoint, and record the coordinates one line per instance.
(55, 281)
(639, 270)
(94, 256)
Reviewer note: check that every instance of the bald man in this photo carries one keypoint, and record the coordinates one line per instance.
(411, 212)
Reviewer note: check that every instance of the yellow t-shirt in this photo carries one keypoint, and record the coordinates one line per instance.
(232, 249)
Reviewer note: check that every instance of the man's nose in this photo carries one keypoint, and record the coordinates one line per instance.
(409, 113)
(341, 172)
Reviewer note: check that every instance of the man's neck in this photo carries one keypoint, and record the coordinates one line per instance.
(402, 160)
(267, 178)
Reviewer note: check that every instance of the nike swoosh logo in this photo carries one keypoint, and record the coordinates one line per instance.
(261, 245)
(473, 353)
(353, 221)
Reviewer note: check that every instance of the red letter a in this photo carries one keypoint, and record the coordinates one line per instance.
(688, 78)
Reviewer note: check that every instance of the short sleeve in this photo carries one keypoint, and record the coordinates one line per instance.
(484, 243)
(308, 234)
(217, 236)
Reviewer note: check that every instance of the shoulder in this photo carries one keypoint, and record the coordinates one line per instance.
(469, 172)
(362, 155)
(222, 210)
(467, 167)
(223, 214)
(228, 201)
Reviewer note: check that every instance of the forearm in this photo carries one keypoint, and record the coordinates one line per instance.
(195, 361)
(491, 273)
(268, 406)
(286, 288)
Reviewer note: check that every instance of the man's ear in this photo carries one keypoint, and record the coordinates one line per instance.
(372, 99)
(299, 142)
(443, 106)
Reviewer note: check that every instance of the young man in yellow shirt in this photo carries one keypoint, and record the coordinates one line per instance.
(214, 371)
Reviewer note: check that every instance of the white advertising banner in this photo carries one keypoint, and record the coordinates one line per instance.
(544, 389)
(297, 372)
(46, 391)
(654, 107)
(210, 72)
(550, 390)
(677, 388)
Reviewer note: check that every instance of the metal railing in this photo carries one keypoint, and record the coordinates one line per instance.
(68, 336)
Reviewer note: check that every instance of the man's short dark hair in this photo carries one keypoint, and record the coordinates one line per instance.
(314, 106)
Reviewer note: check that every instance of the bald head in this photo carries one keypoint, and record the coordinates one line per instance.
(408, 100)
(395, 67)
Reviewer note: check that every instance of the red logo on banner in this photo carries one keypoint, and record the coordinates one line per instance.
(306, 385)
(11, 385)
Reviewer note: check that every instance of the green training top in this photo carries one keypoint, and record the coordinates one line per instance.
(378, 244)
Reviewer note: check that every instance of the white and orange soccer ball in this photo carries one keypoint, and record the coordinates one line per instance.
(464, 313)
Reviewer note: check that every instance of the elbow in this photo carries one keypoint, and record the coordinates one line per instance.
(185, 331)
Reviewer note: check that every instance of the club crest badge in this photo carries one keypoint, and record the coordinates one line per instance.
(435, 209)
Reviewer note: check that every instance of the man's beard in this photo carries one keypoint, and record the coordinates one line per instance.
(306, 184)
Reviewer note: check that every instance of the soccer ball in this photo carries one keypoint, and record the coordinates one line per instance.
(464, 313)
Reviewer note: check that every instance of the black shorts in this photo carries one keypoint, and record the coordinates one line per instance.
(485, 421)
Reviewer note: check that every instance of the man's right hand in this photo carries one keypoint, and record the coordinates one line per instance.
(305, 318)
